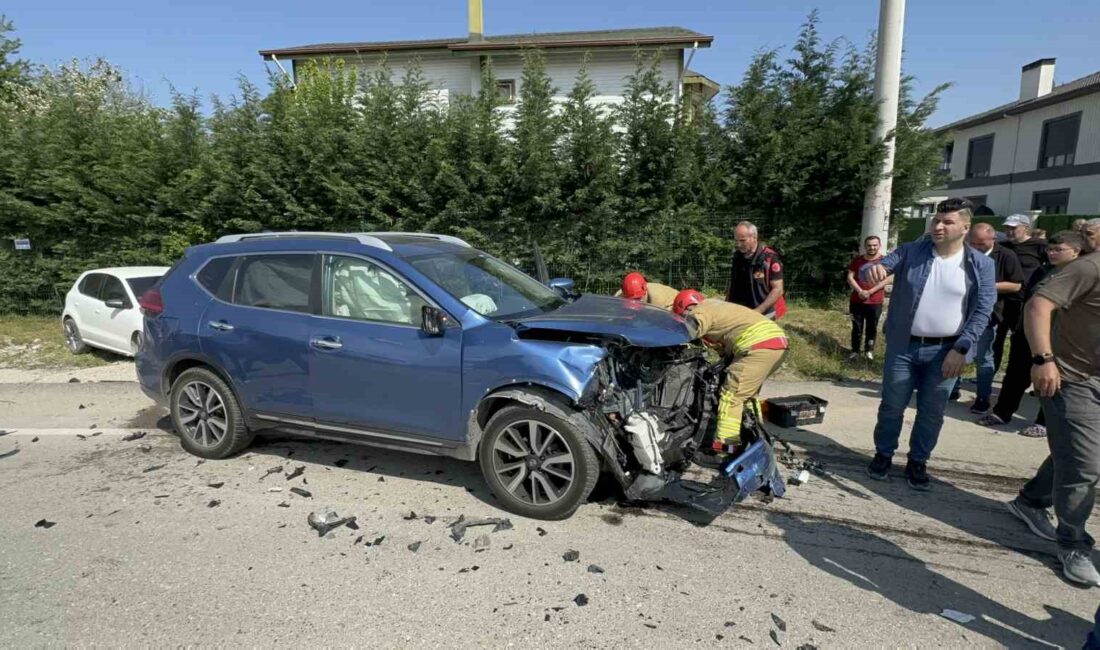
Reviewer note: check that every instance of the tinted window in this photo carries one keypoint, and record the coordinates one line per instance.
(1052, 202)
(979, 157)
(216, 278)
(112, 289)
(141, 285)
(275, 282)
(356, 288)
(89, 286)
(1059, 143)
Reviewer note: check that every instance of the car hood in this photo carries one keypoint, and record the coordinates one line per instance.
(629, 320)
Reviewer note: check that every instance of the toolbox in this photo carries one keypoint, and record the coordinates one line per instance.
(795, 411)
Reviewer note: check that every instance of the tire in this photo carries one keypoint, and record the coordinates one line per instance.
(73, 340)
(543, 490)
(195, 415)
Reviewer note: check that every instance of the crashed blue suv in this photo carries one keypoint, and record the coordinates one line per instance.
(422, 343)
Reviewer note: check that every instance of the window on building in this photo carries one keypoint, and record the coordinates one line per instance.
(1051, 201)
(948, 154)
(506, 90)
(979, 157)
(979, 203)
(1059, 144)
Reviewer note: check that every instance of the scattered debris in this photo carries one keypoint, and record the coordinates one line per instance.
(93, 427)
(800, 478)
(458, 528)
(302, 493)
(779, 623)
(216, 485)
(807, 646)
(593, 568)
(581, 600)
(482, 542)
(381, 479)
(81, 436)
(146, 448)
(34, 439)
(659, 567)
(278, 469)
(97, 433)
(542, 533)
(7, 454)
(650, 626)
(509, 547)
(612, 518)
(414, 547)
(80, 408)
(274, 489)
(341, 462)
(571, 555)
(153, 468)
(428, 519)
(411, 516)
(214, 503)
(323, 523)
(298, 471)
(137, 435)
(821, 627)
(352, 525)
(358, 540)
(774, 636)
(74, 380)
(379, 540)
(729, 624)
(745, 638)
(161, 496)
(283, 504)
(957, 616)
(42, 523)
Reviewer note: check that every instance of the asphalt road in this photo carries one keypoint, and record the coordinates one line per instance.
(150, 546)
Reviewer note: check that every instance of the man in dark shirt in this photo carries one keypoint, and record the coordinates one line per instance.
(756, 274)
(1032, 253)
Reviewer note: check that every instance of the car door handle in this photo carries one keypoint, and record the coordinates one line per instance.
(326, 343)
(220, 325)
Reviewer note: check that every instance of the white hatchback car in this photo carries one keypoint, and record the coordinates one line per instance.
(101, 310)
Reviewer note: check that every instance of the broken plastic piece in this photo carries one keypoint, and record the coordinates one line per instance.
(779, 623)
(414, 547)
(42, 523)
(581, 600)
(801, 478)
(410, 516)
(302, 493)
(458, 528)
(7, 454)
(325, 522)
(214, 503)
(153, 468)
(81, 436)
(215, 485)
(592, 568)
(274, 489)
(957, 616)
(571, 555)
(428, 519)
(481, 542)
(284, 504)
(542, 533)
(774, 636)
(137, 435)
(298, 471)
(821, 627)
(278, 469)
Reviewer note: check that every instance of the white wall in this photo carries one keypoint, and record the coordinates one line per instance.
(1005, 199)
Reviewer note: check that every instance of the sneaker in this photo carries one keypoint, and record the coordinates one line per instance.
(916, 474)
(991, 420)
(879, 469)
(1034, 431)
(980, 406)
(1037, 519)
(870, 355)
(1077, 566)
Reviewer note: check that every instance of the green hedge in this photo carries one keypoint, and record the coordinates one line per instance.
(912, 229)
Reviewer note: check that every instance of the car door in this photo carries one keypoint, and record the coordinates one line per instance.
(258, 331)
(85, 303)
(371, 364)
(115, 322)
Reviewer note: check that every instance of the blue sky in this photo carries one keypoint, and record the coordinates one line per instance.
(205, 45)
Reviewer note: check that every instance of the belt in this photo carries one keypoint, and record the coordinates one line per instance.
(933, 340)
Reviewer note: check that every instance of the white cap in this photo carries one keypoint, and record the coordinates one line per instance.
(1018, 220)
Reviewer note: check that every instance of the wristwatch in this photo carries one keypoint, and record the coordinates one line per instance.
(1040, 359)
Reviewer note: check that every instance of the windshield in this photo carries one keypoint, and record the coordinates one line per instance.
(487, 285)
(141, 285)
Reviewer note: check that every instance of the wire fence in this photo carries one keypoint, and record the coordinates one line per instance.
(39, 301)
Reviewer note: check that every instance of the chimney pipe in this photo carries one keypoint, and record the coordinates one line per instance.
(476, 21)
(1036, 79)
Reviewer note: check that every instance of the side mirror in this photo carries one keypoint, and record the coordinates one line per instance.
(564, 287)
(433, 322)
(117, 303)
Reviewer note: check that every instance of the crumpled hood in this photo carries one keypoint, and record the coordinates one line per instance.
(629, 320)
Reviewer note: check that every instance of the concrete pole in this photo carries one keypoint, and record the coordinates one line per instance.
(876, 203)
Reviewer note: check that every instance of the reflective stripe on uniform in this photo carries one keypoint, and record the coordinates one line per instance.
(757, 333)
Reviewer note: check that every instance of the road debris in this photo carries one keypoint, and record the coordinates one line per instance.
(779, 623)
(821, 627)
(377, 541)
(541, 532)
(214, 503)
(325, 522)
(137, 435)
(8, 454)
(482, 542)
(278, 469)
(593, 568)
(153, 468)
(571, 555)
(800, 478)
(81, 436)
(283, 504)
(414, 547)
(42, 523)
(74, 380)
(381, 479)
(458, 528)
(411, 516)
(298, 471)
(274, 489)
(215, 485)
(428, 519)
(957, 616)
(774, 636)
(302, 493)
(581, 600)
(145, 448)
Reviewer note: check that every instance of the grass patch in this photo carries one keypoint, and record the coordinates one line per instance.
(820, 335)
(38, 342)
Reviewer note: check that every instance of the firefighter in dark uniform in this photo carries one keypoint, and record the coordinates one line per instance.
(756, 274)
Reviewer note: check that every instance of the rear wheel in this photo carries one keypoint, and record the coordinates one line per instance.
(73, 340)
(536, 463)
(207, 416)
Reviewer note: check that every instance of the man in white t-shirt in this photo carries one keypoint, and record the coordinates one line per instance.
(944, 292)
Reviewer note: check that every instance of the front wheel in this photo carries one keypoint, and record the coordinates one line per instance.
(536, 463)
(207, 416)
(73, 340)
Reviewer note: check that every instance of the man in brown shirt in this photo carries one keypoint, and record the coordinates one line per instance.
(1066, 374)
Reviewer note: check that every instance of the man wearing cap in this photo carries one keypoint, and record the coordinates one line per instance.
(636, 287)
(1032, 253)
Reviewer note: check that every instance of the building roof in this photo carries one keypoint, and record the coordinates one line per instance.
(1076, 88)
(604, 38)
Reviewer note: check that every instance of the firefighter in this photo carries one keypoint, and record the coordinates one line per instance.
(752, 343)
(635, 287)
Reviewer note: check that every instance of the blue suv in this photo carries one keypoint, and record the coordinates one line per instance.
(422, 343)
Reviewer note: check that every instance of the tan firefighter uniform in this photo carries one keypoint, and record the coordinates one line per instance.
(757, 346)
(658, 295)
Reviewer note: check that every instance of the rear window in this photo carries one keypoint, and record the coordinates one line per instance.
(275, 282)
(89, 286)
(141, 285)
(216, 278)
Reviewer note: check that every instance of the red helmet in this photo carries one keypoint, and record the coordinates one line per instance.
(634, 286)
(685, 299)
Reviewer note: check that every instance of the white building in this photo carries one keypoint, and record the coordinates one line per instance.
(1040, 152)
(453, 65)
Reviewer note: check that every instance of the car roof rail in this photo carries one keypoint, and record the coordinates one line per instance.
(366, 239)
(443, 238)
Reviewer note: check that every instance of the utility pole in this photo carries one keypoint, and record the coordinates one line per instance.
(876, 203)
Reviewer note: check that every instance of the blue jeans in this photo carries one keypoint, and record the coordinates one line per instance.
(1092, 641)
(917, 367)
(983, 359)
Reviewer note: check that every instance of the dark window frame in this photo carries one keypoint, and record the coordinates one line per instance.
(1072, 155)
(970, 172)
(510, 86)
(82, 287)
(1036, 195)
(948, 156)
